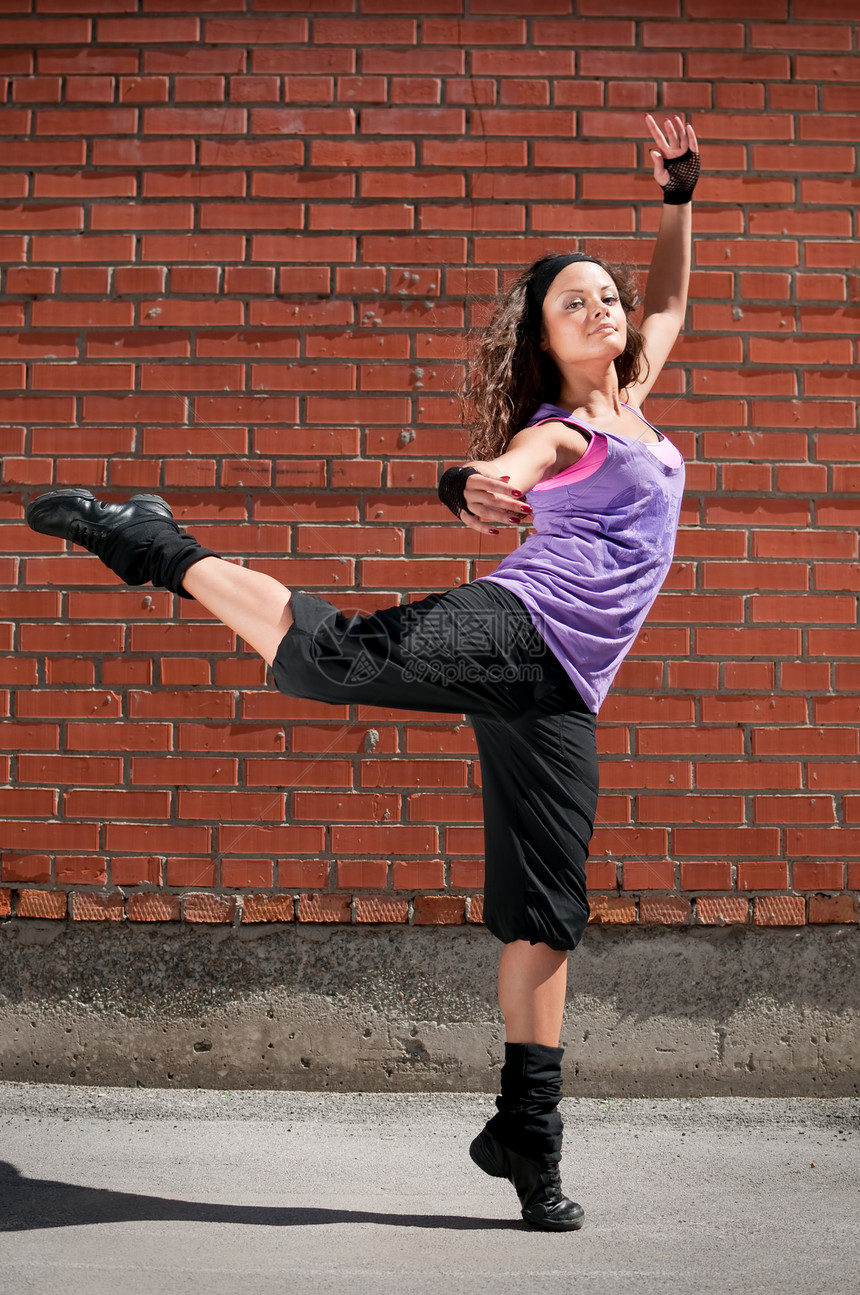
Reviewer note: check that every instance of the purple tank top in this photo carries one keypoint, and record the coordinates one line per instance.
(601, 550)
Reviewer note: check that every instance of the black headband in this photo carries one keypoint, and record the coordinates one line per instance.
(543, 277)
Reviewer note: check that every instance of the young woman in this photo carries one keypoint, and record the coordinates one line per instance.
(528, 652)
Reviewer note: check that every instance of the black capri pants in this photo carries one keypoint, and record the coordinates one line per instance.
(475, 650)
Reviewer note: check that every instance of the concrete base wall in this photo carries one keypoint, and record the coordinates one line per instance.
(686, 1012)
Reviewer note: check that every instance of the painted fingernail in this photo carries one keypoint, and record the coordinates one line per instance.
(504, 478)
(513, 519)
(492, 532)
(518, 494)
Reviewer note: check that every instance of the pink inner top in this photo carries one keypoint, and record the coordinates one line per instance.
(595, 455)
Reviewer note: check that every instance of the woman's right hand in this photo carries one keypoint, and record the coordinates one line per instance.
(493, 503)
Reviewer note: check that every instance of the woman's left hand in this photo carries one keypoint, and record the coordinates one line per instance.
(672, 141)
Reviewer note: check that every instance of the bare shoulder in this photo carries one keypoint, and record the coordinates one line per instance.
(535, 454)
(556, 433)
(563, 444)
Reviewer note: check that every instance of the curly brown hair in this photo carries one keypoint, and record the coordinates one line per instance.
(510, 376)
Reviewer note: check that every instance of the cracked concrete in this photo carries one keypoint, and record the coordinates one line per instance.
(651, 1012)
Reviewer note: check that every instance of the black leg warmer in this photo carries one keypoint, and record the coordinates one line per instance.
(170, 554)
(529, 1121)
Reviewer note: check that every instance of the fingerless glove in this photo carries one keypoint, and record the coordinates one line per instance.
(452, 487)
(683, 174)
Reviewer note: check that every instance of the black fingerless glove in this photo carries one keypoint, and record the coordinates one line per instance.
(452, 488)
(683, 174)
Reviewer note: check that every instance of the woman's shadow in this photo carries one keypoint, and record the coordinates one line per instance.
(30, 1203)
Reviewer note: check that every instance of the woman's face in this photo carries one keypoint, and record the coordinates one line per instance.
(583, 319)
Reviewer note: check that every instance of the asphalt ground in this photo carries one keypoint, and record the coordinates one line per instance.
(111, 1191)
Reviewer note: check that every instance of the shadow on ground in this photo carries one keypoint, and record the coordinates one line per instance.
(30, 1203)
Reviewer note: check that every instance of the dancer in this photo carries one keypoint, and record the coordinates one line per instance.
(527, 652)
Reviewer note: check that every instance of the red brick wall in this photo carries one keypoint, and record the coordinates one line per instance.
(240, 243)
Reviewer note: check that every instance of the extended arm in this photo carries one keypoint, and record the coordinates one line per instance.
(493, 493)
(669, 276)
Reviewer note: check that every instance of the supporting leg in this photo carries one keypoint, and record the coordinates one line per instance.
(532, 991)
(253, 604)
(523, 1141)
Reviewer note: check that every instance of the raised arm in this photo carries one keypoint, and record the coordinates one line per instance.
(675, 159)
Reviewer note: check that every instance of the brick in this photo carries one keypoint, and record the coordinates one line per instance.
(170, 838)
(44, 152)
(741, 842)
(86, 907)
(209, 908)
(601, 874)
(381, 908)
(324, 908)
(134, 31)
(833, 908)
(724, 910)
(762, 876)
(268, 839)
(142, 152)
(306, 121)
(241, 873)
(51, 904)
(150, 907)
(818, 876)
(198, 89)
(117, 804)
(189, 872)
(665, 910)
(136, 871)
(301, 874)
(438, 910)
(416, 89)
(361, 874)
(794, 809)
(143, 89)
(37, 89)
(274, 31)
(268, 908)
(35, 32)
(648, 876)
(254, 89)
(706, 876)
(27, 867)
(746, 775)
(199, 61)
(779, 910)
(611, 910)
(424, 875)
(475, 907)
(804, 741)
(467, 874)
(80, 869)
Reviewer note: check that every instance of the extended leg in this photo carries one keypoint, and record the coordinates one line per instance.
(255, 605)
(140, 542)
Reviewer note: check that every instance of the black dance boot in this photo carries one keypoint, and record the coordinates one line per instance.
(138, 540)
(523, 1141)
